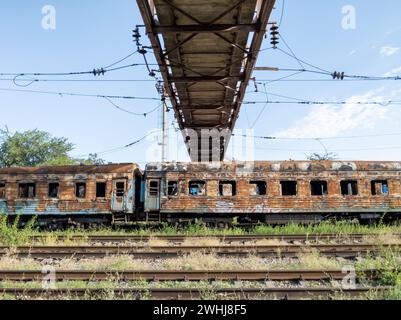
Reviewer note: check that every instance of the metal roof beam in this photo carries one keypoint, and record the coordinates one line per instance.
(208, 28)
(204, 79)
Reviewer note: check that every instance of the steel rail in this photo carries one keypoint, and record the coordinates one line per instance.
(223, 238)
(141, 251)
(195, 293)
(183, 275)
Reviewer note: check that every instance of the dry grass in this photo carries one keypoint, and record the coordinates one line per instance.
(110, 263)
(10, 262)
(193, 261)
(313, 260)
(383, 239)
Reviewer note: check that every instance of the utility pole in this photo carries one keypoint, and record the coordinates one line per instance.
(164, 124)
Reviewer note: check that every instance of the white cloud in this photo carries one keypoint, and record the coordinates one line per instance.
(388, 51)
(332, 120)
(394, 72)
(352, 52)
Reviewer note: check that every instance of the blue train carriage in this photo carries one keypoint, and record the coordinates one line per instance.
(82, 195)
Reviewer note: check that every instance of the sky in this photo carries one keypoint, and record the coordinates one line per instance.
(346, 36)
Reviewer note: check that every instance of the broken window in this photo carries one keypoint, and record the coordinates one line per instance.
(100, 190)
(80, 190)
(288, 188)
(53, 190)
(380, 188)
(227, 188)
(259, 188)
(172, 188)
(2, 190)
(197, 188)
(120, 189)
(349, 188)
(319, 188)
(154, 188)
(27, 190)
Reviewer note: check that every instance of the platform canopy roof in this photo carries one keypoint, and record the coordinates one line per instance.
(206, 51)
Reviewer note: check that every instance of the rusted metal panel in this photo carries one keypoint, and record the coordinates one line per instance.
(303, 172)
(72, 170)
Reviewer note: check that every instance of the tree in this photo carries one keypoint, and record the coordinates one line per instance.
(35, 148)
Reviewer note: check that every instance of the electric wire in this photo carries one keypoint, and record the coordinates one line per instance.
(319, 138)
(282, 13)
(79, 94)
(145, 114)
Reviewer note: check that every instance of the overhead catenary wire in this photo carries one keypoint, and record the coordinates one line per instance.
(121, 60)
(82, 80)
(282, 13)
(327, 72)
(263, 109)
(74, 73)
(318, 138)
(79, 94)
(145, 114)
(334, 150)
(381, 103)
(307, 101)
(294, 100)
(107, 68)
(127, 146)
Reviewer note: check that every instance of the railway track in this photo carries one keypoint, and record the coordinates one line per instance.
(179, 275)
(222, 238)
(141, 252)
(178, 293)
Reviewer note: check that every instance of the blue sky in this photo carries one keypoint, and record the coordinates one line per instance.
(95, 33)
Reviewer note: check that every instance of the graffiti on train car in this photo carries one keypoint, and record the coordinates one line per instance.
(229, 207)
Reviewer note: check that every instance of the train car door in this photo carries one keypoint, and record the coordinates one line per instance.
(119, 195)
(152, 202)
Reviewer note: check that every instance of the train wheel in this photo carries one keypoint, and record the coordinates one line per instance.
(222, 225)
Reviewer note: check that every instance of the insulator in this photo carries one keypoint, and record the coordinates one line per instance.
(274, 36)
(338, 75)
(98, 72)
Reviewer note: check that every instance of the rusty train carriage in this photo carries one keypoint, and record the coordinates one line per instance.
(217, 192)
(78, 194)
(273, 192)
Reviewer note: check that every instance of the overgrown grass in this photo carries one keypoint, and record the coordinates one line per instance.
(388, 265)
(199, 229)
(13, 235)
(394, 293)
(143, 284)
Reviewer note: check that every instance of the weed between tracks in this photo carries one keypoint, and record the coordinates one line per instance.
(193, 261)
(12, 235)
(340, 228)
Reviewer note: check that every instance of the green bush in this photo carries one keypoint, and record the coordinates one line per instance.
(12, 234)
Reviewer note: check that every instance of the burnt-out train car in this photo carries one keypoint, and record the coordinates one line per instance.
(273, 192)
(216, 193)
(64, 195)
